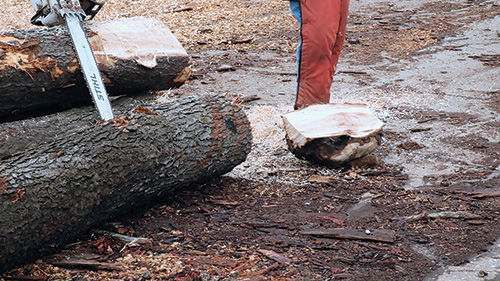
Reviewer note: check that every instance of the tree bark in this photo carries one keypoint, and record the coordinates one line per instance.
(39, 69)
(86, 173)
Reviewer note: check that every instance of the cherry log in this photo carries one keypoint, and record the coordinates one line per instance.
(39, 69)
(79, 173)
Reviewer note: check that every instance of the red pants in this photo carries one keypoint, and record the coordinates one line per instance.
(323, 33)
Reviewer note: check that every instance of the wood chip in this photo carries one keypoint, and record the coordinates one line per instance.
(250, 98)
(335, 220)
(225, 67)
(477, 222)
(420, 129)
(183, 9)
(275, 256)
(410, 145)
(322, 179)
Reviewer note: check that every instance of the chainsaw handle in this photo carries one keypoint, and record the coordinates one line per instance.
(91, 7)
(36, 18)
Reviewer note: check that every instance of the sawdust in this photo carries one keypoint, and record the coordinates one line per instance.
(267, 126)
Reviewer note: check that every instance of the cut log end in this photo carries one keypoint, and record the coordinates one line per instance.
(332, 134)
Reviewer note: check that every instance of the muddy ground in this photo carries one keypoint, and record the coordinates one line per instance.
(425, 69)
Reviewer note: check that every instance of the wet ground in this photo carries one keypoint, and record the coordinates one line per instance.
(438, 84)
(429, 70)
(439, 102)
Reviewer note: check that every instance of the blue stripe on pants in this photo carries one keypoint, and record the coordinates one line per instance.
(297, 13)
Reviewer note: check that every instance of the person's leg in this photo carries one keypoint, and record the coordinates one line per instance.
(323, 32)
(339, 44)
(295, 8)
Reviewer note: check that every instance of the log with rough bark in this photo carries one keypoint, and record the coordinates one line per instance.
(332, 134)
(39, 70)
(81, 173)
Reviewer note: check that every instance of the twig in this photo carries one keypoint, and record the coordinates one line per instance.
(445, 214)
(128, 240)
(124, 238)
(86, 264)
(352, 72)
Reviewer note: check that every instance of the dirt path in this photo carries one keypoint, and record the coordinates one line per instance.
(428, 69)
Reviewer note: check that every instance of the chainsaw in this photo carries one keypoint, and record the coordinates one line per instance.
(72, 13)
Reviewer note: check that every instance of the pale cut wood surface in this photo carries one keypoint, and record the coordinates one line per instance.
(332, 134)
(331, 120)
